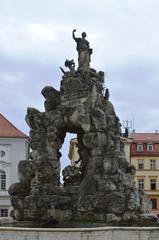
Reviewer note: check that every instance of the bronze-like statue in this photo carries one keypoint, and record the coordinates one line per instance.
(84, 51)
(69, 64)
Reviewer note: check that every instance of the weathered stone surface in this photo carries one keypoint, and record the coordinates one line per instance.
(110, 217)
(133, 201)
(103, 182)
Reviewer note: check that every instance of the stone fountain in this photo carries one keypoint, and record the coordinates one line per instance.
(102, 186)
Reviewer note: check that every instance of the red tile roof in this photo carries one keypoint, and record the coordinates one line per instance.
(145, 137)
(7, 129)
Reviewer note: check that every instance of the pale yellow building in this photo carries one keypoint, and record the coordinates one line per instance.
(127, 143)
(145, 158)
(73, 152)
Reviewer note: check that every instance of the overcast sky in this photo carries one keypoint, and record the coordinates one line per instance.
(36, 38)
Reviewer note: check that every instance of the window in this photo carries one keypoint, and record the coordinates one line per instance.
(140, 148)
(4, 212)
(153, 184)
(154, 203)
(141, 184)
(2, 180)
(2, 153)
(152, 164)
(140, 164)
(150, 147)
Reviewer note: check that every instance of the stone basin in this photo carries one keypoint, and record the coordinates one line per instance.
(93, 233)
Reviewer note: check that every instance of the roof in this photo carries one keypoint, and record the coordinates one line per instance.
(7, 129)
(145, 137)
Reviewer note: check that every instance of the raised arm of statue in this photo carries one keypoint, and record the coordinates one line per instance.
(73, 34)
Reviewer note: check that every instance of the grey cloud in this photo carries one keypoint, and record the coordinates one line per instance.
(134, 90)
(17, 94)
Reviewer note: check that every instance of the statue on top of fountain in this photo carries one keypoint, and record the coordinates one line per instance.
(84, 52)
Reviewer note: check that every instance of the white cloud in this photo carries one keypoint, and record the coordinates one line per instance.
(11, 78)
(41, 32)
(22, 39)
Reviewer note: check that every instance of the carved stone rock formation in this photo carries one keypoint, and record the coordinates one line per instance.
(103, 184)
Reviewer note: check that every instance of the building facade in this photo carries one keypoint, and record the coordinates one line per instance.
(145, 158)
(73, 152)
(13, 148)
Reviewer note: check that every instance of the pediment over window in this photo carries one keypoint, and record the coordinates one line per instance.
(4, 152)
(5, 164)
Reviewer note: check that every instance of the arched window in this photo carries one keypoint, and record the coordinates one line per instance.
(2, 180)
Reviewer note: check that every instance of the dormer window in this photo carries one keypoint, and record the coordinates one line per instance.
(140, 147)
(149, 147)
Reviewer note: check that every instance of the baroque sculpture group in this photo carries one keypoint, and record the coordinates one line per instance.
(103, 183)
